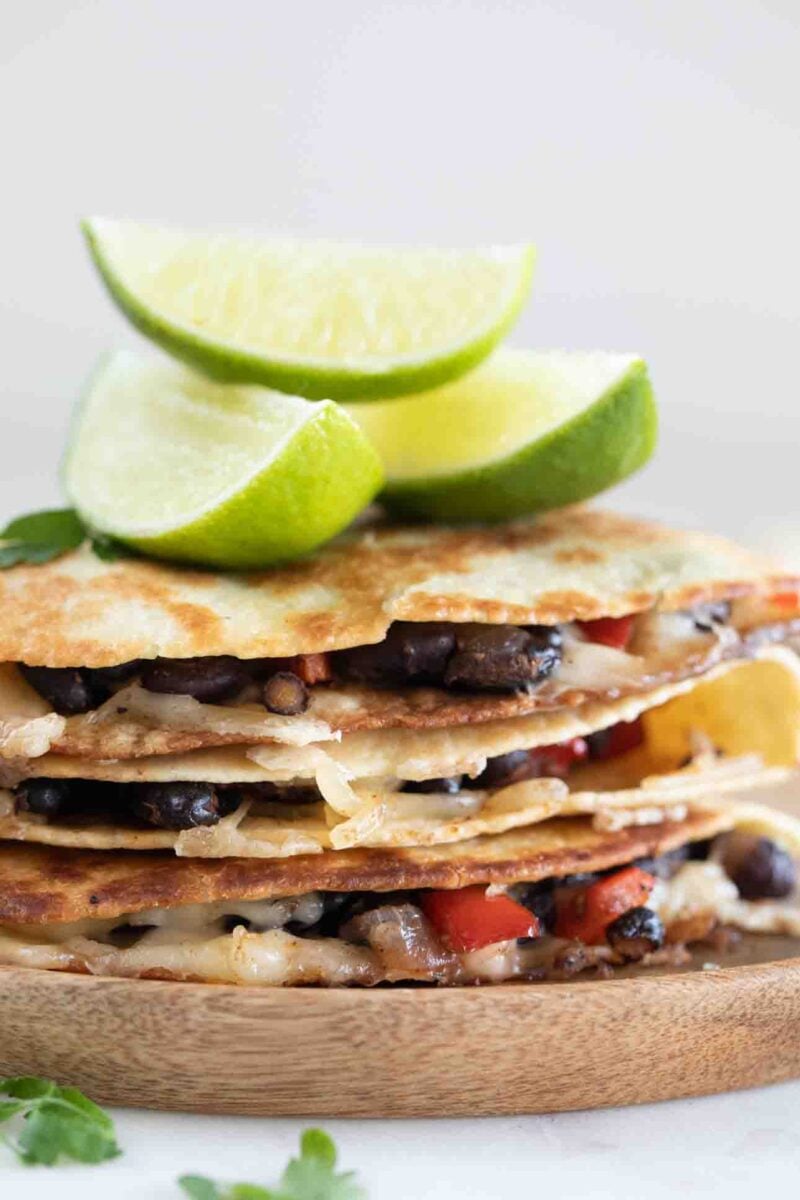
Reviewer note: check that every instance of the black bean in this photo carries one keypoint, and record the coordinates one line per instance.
(708, 616)
(547, 643)
(105, 680)
(637, 932)
(231, 923)
(410, 653)
(450, 784)
(540, 899)
(206, 679)
(274, 793)
(665, 866)
(67, 689)
(285, 694)
(426, 649)
(179, 805)
(503, 657)
(505, 769)
(45, 797)
(337, 908)
(581, 878)
(759, 868)
(341, 907)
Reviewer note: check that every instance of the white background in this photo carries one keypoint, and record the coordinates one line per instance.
(650, 149)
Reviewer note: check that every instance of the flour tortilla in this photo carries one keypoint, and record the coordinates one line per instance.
(44, 884)
(383, 818)
(135, 723)
(768, 684)
(573, 564)
(184, 909)
(649, 784)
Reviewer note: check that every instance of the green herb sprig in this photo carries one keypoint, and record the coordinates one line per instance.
(312, 1176)
(42, 536)
(55, 1122)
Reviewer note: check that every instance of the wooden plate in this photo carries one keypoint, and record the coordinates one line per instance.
(409, 1052)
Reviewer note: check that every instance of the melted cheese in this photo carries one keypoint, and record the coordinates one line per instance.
(274, 959)
(191, 942)
(611, 820)
(23, 738)
(703, 887)
(590, 666)
(169, 711)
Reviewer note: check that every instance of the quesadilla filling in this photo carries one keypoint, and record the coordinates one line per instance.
(645, 912)
(605, 657)
(190, 804)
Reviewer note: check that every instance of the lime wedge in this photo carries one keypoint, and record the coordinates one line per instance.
(232, 477)
(526, 431)
(317, 319)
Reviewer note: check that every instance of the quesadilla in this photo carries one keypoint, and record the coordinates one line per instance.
(386, 629)
(638, 760)
(422, 755)
(541, 903)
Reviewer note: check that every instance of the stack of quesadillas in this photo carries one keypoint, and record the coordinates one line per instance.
(424, 754)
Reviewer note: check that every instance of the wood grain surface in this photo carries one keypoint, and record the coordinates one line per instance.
(407, 1051)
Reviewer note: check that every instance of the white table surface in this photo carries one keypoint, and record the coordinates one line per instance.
(713, 1146)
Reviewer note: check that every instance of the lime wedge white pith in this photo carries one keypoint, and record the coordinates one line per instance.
(232, 477)
(526, 431)
(316, 319)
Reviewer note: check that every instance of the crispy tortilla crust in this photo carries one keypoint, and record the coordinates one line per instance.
(352, 708)
(567, 565)
(41, 884)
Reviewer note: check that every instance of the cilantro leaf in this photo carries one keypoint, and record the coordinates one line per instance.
(52, 526)
(312, 1176)
(108, 548)
(23, 552)
(56, 1122)
(199, 1188)
(40, 537)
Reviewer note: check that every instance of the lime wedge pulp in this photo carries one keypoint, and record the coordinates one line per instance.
(231, 477)
(526, 431)
(316, 319)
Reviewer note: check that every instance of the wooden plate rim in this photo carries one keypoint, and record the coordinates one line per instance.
(404, 1052)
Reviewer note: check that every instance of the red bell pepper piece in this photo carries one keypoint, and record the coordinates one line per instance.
(468, 919)
(555, 761)
(609, 631)
(619, 739)
(585, 914)
(786, 600)
(313, 668)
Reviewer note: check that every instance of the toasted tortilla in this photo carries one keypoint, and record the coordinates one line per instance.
(383, 818)
(770, 682)
(42, 884)
(197, 929)
(136, 723)
(573, 564)
(701, 743)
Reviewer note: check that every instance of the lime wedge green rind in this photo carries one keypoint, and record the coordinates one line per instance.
(322, 473)
(312, 379)
(595, 449)
(308, 491)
